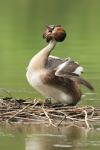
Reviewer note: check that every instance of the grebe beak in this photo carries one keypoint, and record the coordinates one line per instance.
(48, 33)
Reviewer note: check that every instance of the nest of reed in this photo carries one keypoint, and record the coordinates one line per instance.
(35, 111)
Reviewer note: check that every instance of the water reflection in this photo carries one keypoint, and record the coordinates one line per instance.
(41, 137)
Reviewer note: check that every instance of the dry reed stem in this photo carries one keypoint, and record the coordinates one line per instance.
(32, 111)
(46, 114)
(18, 112)
(87, 124)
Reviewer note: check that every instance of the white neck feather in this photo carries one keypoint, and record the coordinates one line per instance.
(39, 60)
(49, 47)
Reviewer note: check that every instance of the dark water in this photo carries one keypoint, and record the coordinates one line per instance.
(21, 26)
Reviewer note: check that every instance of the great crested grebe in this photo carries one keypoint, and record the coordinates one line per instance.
(54, 77)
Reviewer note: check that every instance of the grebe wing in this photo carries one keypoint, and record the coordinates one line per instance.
(72, 70)
(69, 67)
(53, 62)
(63, 66)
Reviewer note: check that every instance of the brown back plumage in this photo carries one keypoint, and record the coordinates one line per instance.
(66, 72)
(65, 84)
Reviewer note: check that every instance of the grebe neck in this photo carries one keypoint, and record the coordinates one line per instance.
(39, 60)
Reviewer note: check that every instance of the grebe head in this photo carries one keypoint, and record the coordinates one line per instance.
(55, 32)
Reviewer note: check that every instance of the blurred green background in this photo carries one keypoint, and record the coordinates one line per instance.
(22, 23)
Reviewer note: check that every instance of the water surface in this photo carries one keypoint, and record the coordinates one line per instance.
(42, 137)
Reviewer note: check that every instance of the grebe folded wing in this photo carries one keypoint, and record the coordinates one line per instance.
(53, 62)
(68, 67)
(72, 70)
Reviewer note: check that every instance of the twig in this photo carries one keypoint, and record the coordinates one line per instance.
(61, 121)
(87, 125)
(21, 110)
(91, 116)
(18, 112)
(46, 114)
